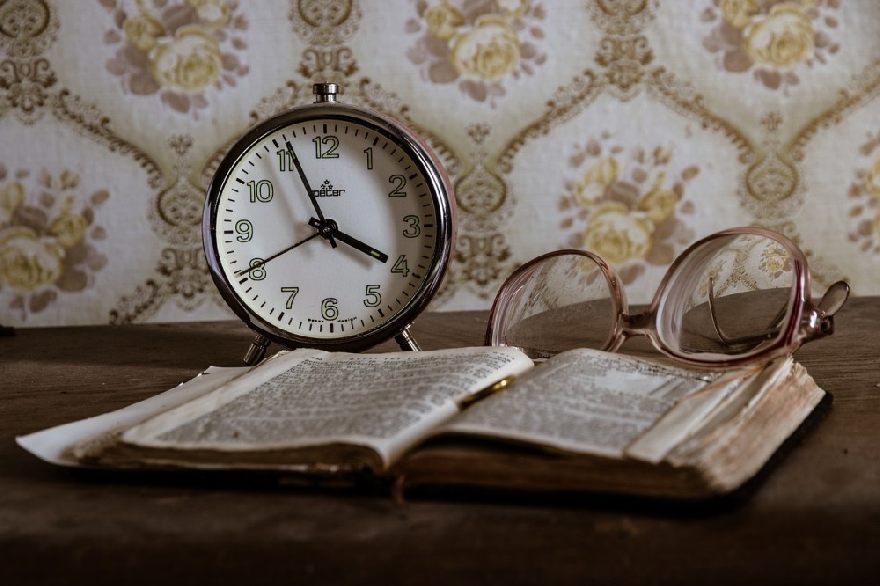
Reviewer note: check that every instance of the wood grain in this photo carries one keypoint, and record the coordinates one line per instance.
(815, 519)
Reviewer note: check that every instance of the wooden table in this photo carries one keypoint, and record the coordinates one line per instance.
(815, 519)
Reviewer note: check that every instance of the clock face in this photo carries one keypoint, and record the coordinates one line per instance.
(368, 193)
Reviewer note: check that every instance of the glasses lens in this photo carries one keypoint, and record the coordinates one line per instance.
(555, 303)
(730, 297)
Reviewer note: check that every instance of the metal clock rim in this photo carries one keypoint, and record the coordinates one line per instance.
(441, 195)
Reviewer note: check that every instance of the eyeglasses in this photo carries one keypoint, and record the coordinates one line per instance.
(738, 296)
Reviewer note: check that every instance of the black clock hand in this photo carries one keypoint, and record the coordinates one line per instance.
(305, 182)
(257, 265)
(329, 227)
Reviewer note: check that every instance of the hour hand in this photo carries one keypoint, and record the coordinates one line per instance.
(328, 229)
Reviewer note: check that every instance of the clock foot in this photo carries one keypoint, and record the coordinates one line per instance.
(257, 350)
(406, 341)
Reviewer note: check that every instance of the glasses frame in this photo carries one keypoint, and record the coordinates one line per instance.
(805, 321)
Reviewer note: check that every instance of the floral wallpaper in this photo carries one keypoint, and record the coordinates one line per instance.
(626, 127)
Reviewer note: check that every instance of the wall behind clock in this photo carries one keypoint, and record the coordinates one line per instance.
(629, 127)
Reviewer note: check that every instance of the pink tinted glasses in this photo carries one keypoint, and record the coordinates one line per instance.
(735, 297)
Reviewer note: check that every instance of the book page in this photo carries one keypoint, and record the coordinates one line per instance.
(56, 444)
(584, 401)
(311, 398)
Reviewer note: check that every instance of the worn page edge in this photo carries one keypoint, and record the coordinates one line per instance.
(726, 419)
(684, 418)
(54, 445)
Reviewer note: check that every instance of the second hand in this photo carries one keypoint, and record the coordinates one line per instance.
(258, 264)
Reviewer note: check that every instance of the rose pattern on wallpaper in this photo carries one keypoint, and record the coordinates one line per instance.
(46, 238)
(771, 38)
(178, 51)
(481, 44)
(748, 264)
(790, 45)
(864, 192)
(626, 205)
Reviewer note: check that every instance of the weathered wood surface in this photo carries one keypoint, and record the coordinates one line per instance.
(814, 519)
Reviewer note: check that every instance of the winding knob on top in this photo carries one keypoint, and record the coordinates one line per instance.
(326, 92)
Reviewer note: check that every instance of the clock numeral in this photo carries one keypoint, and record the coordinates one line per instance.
(329, 309)
(400, 183)
(400, 266)
(285, 160)
(293, 291)
(369, 152)
(413, 229)
(261, 191)
(325, 147)
(374, 298)
(258, 269)
(245, 230)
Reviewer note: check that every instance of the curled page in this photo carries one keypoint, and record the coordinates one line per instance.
(55, 445)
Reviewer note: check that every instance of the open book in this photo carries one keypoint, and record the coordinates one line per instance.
(476, 417)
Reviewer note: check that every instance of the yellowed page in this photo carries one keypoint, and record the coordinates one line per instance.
(56, 445)
(582, 401)
(387, 402)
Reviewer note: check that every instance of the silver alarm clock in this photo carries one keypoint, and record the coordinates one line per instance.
(329, 226)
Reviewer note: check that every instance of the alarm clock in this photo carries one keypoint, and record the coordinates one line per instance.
(329, 226)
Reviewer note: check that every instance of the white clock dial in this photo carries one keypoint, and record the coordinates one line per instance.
(274, 241)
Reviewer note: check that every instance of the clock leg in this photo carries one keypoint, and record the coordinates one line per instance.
(257, 350)
(406, 341)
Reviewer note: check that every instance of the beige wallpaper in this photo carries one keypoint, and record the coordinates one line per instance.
(628, 127)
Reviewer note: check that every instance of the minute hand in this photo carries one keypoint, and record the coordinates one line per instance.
(311, 194)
